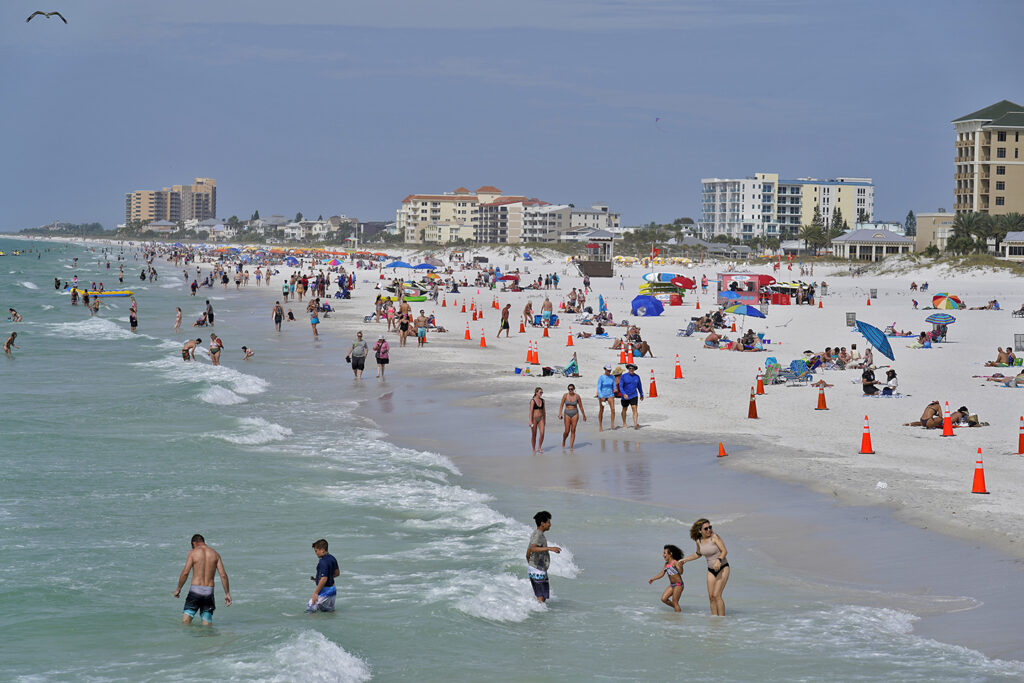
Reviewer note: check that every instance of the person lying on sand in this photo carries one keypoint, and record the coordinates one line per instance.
(1010, 381)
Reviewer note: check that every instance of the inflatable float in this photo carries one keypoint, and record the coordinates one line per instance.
(113, 292)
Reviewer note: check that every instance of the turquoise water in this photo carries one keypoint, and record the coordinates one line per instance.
(115, 452)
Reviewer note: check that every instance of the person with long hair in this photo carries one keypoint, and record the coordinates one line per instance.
(673, 568)
(538, 417)
(711, 547)
(570, 410)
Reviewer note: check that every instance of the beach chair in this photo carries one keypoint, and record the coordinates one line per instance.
(771, 373)
(570, 369)
(797, 374)
(688, 331)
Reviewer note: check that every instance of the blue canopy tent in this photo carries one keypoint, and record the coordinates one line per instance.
(424, 266)
(647, 306)
(291, 261)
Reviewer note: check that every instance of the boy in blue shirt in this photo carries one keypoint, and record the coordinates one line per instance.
(326, 570)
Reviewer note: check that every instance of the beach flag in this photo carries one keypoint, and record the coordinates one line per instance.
(653, 393)
(760, 383)
(468, 336)
(721, 450)
(1020, 439)
(947, 422)
(752, 410)
(570, 342)
(679, 375)
(821, 399)
(483, 341)
(979, 476)
(865, 441)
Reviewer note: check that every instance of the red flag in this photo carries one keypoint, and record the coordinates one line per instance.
(654, 253)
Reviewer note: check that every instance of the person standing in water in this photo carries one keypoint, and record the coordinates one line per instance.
(538, 557)
(177, 320)
(326, 571)
(538, 417)
(673, 557)
(712, 548)
(571, 410)
(9, 344)
(278, 313)
(202, 561)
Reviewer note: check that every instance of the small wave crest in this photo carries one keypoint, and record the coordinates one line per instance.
(254, 431)
(484, 595)
(29, 285)
(99, 329)
(307, 656)
(221, 396)
(178, 371)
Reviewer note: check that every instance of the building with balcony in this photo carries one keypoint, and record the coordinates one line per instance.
(457, 208)
(763, 205)
(988, 173)
(599, 217)
(176, 203)
(933, 230)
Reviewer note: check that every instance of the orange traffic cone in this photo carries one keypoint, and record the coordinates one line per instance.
(480, 313)
(570, 341)
(698, 308)
(545, 331)
(760, 383)
(733, 327)
(869, 301)
(629, 355)
(467, 332)
(529, 352)
(653, 393)
(1020, 439)
(444, 302)
(522, 327)
(463, 305)
(819, 304)
(721, 450)
(474, 316)
(979, 476)
(455, 302)
(536, 353)
(622, 356)
(483, 342)
(821, 399)
(679, 375)
(752, 410)
(947, 422)
(472, 305)
(865, 441)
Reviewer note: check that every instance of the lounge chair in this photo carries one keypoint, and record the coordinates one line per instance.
(797, 373)
(570, 369)
(771, 373)
(688, 331)
(1019, 313)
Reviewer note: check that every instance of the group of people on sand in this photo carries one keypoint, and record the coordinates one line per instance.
(1004, 358)
(932, 417)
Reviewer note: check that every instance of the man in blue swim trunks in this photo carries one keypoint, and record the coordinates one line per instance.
(202, 561)
(326, 569)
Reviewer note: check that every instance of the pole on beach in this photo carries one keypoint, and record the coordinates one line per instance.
(752, 410)
(947, 422)
(1020, 439)
(865, 441)
(979, 476)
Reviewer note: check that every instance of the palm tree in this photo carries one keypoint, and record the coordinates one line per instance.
(813, 236)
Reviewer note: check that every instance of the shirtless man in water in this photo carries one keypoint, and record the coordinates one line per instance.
(202, 562)
(188, 350)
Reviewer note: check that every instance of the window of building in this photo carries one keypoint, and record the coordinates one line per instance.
(1000, 201)
(1000, 170)
(1000, 185)
(1001, 136)
(1000, 152)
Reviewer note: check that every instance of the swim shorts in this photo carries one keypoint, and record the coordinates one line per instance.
(185, 355)
(539, 581)
(546, 315)
(314, 321)
(630, 401)
(504, 324)
(358, 362)
(421, 332)
(324, 600)
(200, 602)
(210, 318)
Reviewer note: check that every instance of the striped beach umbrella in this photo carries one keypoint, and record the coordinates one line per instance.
(947, 301)
(940, 319)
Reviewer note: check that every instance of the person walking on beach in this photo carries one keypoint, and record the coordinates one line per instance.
(278, 313)
(504, 327)
(381, 352)
(538, 417)
(673, 568)
(632, 390)
(570, 410)
(712, 548)
(314, 318)
(357, 355)
(202, 561)
(326, 571)
(188, 350)
(605, 394)
(538, 557)
(421, 323)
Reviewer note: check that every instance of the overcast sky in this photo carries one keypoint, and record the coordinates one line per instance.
(328, 107)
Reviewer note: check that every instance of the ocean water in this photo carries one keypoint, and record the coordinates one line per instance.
(114, 452)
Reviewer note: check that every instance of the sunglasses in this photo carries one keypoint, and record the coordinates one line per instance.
(705, 528)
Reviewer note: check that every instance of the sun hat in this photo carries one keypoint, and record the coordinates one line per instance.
(630, 366)
(618, 370)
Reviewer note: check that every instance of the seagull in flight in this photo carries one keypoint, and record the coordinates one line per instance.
(47, 15)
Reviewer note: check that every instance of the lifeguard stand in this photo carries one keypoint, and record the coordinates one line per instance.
(600, 249)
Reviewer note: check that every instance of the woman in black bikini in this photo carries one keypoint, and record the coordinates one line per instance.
(712, 548)
(537, 419)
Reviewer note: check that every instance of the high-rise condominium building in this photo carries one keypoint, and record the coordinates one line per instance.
(177, 203)
(765, 206)
(989, 162)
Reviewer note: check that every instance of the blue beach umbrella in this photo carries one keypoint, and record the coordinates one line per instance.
(876, 338)
(744, 309)
(647, 306)
(940, 319)
(398, 264)
(424, 266)
(729, 294)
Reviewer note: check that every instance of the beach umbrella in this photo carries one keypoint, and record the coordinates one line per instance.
(876, 338)
(424, 266)
(940, 319)
(601, 308)
(647, 306)
(334, 262)
(729, 294)
(398, 264)
(508, 278)
(683, 282)
(745, 310)
(947, 301)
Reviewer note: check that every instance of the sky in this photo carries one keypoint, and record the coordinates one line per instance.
(327, 107)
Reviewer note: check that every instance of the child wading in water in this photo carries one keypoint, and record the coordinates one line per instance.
(674, 569)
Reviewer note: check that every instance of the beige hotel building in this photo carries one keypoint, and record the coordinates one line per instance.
(177, 203)
(989, 163)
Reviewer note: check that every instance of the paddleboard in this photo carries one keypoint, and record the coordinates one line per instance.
(660, 277)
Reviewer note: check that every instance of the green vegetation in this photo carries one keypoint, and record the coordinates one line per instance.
(69, 229)
(971, 231)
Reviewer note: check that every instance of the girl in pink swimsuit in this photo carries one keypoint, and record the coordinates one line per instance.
(674, 570)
